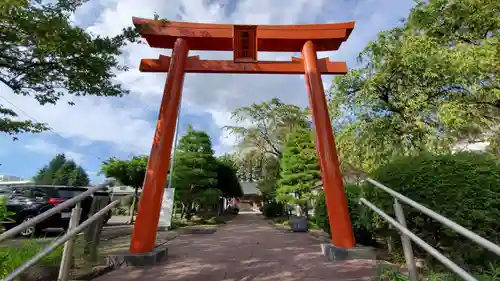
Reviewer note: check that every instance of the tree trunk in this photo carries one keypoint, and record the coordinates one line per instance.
(174, 211)
(183, 210)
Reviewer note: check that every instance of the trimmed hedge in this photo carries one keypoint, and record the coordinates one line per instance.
(464, 187)
(360, 219)
(273, 209)
(321, 213)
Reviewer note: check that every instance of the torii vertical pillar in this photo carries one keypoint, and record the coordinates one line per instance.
(336, 201)
(146, 226)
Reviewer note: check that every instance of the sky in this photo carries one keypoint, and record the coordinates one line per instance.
(95, 129)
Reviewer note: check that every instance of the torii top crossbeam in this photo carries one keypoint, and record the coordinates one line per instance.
(245, 41)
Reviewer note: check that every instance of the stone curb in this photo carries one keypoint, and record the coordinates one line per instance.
(96, 272)
(197, 230)
(100, 270)
(320, 235)
(317, 235)
(118, 233)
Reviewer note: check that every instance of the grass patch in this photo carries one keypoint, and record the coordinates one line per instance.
(13, 257)
(389, 273)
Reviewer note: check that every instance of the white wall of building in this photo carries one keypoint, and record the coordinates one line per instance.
(474, 146)
(10, 178)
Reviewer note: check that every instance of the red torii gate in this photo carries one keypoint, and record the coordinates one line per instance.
(245, 41)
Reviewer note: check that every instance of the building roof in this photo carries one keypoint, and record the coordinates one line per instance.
(249, 188)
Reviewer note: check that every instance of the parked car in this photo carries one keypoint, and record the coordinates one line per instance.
(4, 190)
(26, 202)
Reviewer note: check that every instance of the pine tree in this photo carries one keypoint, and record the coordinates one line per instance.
(46, 174)
(195, 166)
(78, 177)
(299, 170)
(227, 180)
(62, 171)
(63, 175)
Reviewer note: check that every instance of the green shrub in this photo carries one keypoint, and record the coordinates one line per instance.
(273, 209)
(5, 215)
(464, 187)
(321, 213)
(360, 217)
(389, 273)
(13, 257)
(177, 222)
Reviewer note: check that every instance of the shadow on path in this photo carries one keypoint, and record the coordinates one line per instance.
(246, 249)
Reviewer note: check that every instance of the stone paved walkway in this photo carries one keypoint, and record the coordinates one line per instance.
(247, 249)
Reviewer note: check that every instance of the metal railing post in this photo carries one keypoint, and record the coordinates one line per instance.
(406, 242)
(67, 255)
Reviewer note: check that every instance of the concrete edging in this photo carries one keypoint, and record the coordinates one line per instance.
(335, 253)
(126, 259)
(319, 235)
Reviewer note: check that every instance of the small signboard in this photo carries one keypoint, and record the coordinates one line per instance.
(245, 43)
(167, 205)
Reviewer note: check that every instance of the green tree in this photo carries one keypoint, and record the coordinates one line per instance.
(62, 171)
(270, 176)
(64, 174)
(128, 172)
(79, 177)
(423, 86)
(299, 170)
(250, 166)
(46, 174)
(271, 122)
(227, 180)
(45, 56)
(208, 199)
(260, 144)
(195, 168)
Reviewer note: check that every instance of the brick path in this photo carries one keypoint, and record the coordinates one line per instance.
(247, 249)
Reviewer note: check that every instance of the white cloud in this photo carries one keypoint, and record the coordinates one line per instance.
(94, 119)
(43, 147)
(128, 124)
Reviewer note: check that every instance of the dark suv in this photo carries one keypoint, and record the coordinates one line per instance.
(27, 202)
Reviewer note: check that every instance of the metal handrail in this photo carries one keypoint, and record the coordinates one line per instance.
(57, 209)
(59, 241)
(407, 235)
(451, 224)
(63, 239)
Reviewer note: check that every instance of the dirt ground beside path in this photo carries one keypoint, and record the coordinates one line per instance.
(247, 249)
